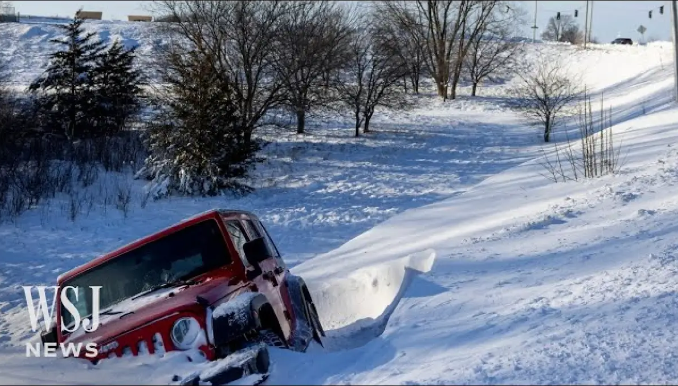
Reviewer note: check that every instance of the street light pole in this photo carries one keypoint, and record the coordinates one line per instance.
(674, 19)
(590, 22)
(586, 25)
(534, 26)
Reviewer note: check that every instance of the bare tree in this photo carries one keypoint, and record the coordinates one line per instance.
(403, 28)
(237, 38)
(493, 52)
(373, 76)
(545, 91)
(478, 14)
(564, 29)
(437, 24)
(312, 43)
(572, 34)
(445, 27)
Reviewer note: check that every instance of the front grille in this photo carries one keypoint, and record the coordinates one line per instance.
(142, 348)
(127, 352)
(158, 344)
(154, 345)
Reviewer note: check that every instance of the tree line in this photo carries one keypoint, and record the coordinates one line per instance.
(255, 59)
(231, 68)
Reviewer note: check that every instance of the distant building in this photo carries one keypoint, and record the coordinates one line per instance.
(139, 18)
(7, 13)
(88, 15)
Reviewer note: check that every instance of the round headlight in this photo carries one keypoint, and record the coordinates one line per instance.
(185, 332)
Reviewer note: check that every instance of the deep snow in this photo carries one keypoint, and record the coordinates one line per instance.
(479, 269)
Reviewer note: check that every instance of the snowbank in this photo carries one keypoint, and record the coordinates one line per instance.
(359, 299)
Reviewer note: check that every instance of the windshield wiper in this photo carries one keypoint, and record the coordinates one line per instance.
(110, 312)
(164, 285)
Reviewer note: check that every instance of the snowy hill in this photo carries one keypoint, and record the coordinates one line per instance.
(26, 46)
(435, 249)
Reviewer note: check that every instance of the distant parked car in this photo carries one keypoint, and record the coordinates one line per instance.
(622, 41)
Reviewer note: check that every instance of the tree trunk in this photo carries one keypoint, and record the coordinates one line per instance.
(405, 84)
(247, 137)
(442, 90)
(301, 121)
(357, 123)
(547, 129)
(473, 89)
(367, 122)
(455, 81)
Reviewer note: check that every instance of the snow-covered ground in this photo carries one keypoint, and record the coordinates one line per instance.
(434, 247)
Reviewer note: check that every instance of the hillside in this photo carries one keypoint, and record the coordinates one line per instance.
(26, 46)
(435, 249)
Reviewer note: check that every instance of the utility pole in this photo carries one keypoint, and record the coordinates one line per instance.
(674, 19)
(534, 27)
(586, 25)
(591, 22)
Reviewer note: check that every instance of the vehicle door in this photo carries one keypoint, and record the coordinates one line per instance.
(256, 228)
(267, 282)
(281, 268)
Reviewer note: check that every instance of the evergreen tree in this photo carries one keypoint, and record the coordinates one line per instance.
(67, 94)
(196, 143)
(118, 88)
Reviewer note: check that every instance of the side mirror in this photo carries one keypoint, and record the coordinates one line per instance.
(49, 336)
(256, 251)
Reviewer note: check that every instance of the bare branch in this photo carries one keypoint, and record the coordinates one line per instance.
(545, 91)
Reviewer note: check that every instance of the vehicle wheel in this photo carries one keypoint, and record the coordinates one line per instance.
(262, 362)
(271, 339)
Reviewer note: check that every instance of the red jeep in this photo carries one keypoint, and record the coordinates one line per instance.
(215, 282)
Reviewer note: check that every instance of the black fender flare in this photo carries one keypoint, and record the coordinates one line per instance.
(294, 286)
(231, 321)
(300, 297)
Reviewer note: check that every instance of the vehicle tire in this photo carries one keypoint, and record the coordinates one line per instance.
(261, 363)
(271, 339)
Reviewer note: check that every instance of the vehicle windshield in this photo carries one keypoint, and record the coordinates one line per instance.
(184, 254)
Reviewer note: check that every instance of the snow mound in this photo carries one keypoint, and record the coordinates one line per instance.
(359, 303)
(34, 31)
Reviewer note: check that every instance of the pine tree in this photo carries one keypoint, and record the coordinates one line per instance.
(195, 143)
(67, 95)
(118, 88)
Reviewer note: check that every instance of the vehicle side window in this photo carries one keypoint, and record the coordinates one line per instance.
(239, 239)
(251, 229)
(269, 243)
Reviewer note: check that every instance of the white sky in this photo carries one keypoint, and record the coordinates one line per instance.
(610, 18)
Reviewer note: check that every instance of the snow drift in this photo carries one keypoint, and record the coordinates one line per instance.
(356, 305)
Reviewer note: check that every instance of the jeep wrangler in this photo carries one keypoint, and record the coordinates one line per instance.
(214, 282)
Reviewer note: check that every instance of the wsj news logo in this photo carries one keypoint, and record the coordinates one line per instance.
(49, 349)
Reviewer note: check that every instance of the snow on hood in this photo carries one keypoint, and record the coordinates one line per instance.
(129, 305)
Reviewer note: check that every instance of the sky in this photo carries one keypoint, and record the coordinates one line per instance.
(611, 19)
